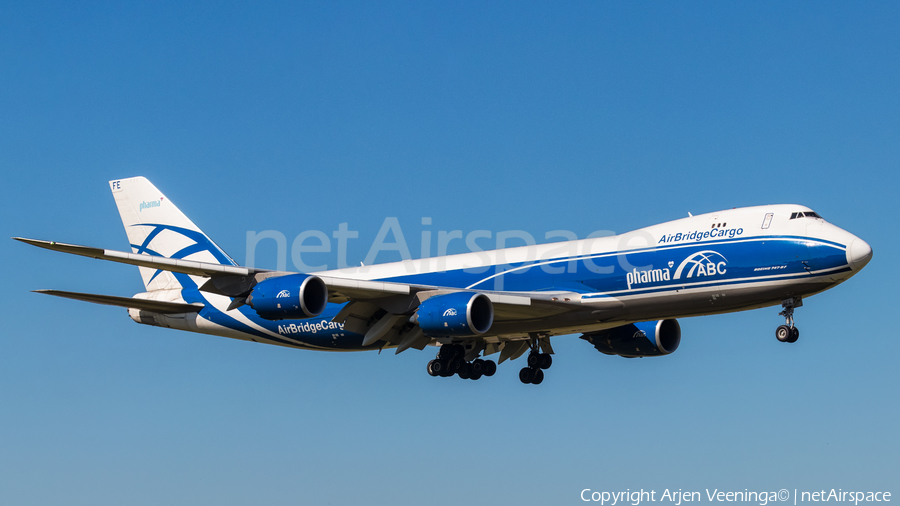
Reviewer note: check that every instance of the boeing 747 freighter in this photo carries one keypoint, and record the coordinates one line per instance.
(624, 300)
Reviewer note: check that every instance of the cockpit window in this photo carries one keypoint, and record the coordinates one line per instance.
(806, 214)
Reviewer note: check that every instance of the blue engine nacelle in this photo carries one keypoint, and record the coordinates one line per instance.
(295, 296)
(644, 339)
(460, 314)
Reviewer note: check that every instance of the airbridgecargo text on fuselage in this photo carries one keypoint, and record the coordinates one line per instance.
(697, 235)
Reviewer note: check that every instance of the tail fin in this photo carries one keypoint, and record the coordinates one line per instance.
(156, 227)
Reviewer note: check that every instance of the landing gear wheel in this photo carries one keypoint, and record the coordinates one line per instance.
(537, 360)
(449, 368)
(540, 360)
(783, 333)
(788, 333)
(526, 375)
(451, 361)
(546, 360)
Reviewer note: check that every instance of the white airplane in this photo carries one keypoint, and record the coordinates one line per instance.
(623, 299)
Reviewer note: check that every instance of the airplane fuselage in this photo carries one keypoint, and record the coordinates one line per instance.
(706, 264)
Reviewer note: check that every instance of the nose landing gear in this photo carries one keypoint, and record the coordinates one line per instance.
(788, 333)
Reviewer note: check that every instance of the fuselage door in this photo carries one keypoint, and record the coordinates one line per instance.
(767, 220)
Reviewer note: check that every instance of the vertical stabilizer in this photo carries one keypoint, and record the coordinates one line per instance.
(156, 227)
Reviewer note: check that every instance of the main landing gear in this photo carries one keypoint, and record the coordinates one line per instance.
(537, 361)
(451, 360)
(788, 333)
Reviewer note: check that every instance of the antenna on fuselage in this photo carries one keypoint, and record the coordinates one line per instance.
(690, 215)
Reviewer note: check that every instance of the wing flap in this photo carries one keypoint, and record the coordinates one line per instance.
(362, 287)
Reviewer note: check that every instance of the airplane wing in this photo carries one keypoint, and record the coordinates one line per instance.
(226, 279)
(375, 308)
(162, 238)
(155, 262)
(157, 306)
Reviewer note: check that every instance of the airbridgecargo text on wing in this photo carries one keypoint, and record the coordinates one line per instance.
(696, 235)
(310, 327)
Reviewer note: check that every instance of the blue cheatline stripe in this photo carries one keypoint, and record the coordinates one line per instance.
(656, 249)
(147, 240)
(685, 286)
(692, 244)
(194, 235)
(190, 291)
(463, 278)
(218, 317)
(214, 315)
(201, 243)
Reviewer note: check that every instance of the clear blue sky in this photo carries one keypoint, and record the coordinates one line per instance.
(578, 116)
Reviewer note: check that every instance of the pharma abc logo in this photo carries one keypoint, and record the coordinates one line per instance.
(702, 263)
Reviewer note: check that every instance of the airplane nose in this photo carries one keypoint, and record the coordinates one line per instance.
(858, 254)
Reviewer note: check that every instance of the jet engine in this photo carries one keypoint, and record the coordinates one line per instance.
(460, 314)
(295, 296)
(644, 339)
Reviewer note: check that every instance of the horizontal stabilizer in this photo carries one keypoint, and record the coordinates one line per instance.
(156, 306)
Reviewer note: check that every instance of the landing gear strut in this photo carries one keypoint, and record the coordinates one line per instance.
(537, 362)
(788, 333)
(451, 360)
